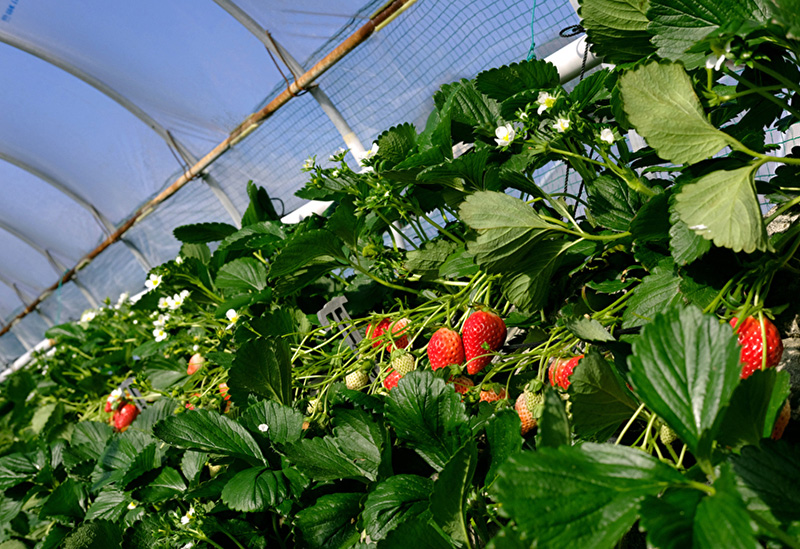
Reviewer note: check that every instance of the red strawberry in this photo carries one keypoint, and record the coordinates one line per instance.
(384, 325)
(391, 380)
(445, 348)
(356, 379)
(125, 416)
(561, 369)
(750, 339)
(108, 407)
(223, 390)
(526, 406)
(195, 363)
(462, 384)
(492, 393)
(782, 421)
(483, 332)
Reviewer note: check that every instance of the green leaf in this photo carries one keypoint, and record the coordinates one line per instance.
(617, 29)
(553, 427)
(723, 207)
(110, 504)
(200, 252)
(90, 438)
(504, 438)
(201, 233)
(284, 424)
(685, 367)
(508, 229)
(353, 451)
(662, 106)
(771, 474)
(312, 246)
(503, 82)
(677, 26)
(528, 286)
(657, 292)
(424, 533)
(591, 89)
(599, 399)
(192, 464)
(244, 273)
(120, 456)
(395, 143)
(722, 519)
(146, 460)
(427, 260)
(155, 412)
(47, 414)
(458, 264)
(578, 496)
(210, 432)
(467, 170)
(68, 500)
(262, 367)
(328, 523)
(449, 498)
(780, 392)
(260, 207)
(613, 204)
(588, 329)
(397, 500)
(465, 104)
(428, 415)
(167, 485)
(685, 245)
(16, 468)
(99, 534)
(345, 224)
(747, 417)
(669, 519)
(255, 489)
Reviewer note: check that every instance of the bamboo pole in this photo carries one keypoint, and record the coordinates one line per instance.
(250, 124)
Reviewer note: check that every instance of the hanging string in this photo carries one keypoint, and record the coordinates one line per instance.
(531, 55)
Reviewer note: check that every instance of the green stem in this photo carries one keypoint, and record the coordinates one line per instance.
(363, 271)
(788, 84)
(630, 422)
(221, 529)
(757, 89)
(587, 236)
(406, 238)
(578, 156)
(785, 206)
(441, 229)
(702, 487)
(732, 96)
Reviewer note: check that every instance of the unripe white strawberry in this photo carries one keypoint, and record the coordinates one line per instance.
(356, 379)
(403, 362)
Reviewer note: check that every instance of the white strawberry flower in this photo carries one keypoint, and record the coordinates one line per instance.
(163, 303)
(179, 260)
(123, 297)
(152, 282)
(195, 348)
(561, 125)
(338, 155)
(175, 302)
(159, 334)
(132, 506)
(505, 134)
(161, 321)
(233, 317)
(607, 135)
(88, 316)
(545, 101)
(371, 152)
(184, 294)
(185, 519)
(263, 427)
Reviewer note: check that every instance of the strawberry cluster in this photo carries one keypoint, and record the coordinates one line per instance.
(122, 411)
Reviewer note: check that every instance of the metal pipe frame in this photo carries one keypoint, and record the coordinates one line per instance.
(250, 124)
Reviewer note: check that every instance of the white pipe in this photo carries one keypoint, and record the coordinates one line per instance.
(569, 59)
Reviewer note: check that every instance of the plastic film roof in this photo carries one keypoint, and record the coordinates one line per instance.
(105, 103)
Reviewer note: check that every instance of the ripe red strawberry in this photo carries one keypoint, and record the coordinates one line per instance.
(445, 348)
(750, 339)
(403, 362)
(109, 406)
(398, 333)
(492, 393)
(561, 369)
(781, 421)
(125, 416)
(356, 379)
(391, 380)
(223, 390)
(195, 363)
(483, 332)
(526, 407)
(462, 384)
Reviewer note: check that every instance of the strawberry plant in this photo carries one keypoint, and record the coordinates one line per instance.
(623, 390)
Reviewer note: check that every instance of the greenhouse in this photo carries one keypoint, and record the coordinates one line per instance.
(405, 273)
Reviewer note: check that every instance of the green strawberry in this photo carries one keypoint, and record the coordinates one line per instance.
(667, 435)
(403, 362)
(356, 380)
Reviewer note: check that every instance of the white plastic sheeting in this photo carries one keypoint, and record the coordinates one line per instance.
(99, 95)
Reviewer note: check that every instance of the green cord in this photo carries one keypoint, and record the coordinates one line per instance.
(532, 55)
